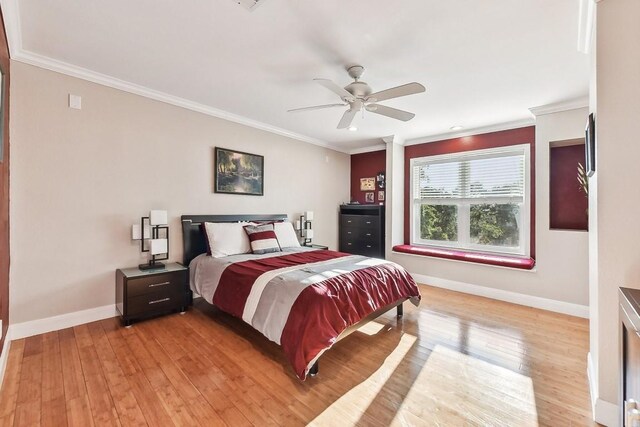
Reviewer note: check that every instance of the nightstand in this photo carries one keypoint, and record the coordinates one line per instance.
(317, 247)
(146, 293)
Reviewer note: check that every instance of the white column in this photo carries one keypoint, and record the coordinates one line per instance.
(394, 193)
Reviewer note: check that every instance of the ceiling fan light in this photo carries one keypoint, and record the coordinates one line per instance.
(353, 128)
(456, 127)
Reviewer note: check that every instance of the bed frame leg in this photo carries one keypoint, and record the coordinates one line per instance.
(314, 369)
(400, 310)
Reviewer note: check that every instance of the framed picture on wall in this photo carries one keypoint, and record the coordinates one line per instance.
(369, 197)
(238, 172)
(367, 184)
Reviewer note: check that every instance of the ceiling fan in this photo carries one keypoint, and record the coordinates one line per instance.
(358, 96)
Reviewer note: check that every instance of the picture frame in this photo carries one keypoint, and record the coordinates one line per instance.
(369, 197)
(237, 172)
(368, 184)
(381, 196)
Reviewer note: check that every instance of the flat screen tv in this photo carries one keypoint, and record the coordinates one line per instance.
(590, 146)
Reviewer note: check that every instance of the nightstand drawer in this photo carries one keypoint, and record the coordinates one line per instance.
(156, 283)
(157, 301)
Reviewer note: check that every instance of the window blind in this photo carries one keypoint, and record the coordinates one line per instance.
(499, 174)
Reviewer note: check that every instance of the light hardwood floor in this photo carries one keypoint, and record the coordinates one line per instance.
(456, 360)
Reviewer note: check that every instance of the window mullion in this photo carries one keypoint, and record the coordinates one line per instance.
(464, 222)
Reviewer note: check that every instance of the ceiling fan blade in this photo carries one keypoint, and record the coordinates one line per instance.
(341, 92)
(394, 113)
(347, 118)
(317, 107)
(396, 92)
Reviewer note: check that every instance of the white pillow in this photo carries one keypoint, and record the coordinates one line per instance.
(227, 238)
(287, 237)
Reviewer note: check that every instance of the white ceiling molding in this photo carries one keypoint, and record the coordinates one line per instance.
(368, 149)
(11, 16)
(39, 35)
(470, 132)
(572, 104)
(586, 18)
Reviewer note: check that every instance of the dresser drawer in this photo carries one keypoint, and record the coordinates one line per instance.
(360, 234)
(156, 302)
(360, 221)
(156, 283)
(360, 247)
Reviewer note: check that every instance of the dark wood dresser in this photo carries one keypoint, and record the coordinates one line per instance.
(630, 355)
(362, 230)
(146, 293)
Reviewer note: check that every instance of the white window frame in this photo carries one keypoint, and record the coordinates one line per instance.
(464, 206)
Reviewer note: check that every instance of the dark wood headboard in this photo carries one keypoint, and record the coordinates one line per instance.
(194, 241)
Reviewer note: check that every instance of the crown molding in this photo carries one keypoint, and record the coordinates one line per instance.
(105, 80)
(474, 131)
(557, 107)
(11, 17)
(377, 147)
(586, 27)
(12, 28)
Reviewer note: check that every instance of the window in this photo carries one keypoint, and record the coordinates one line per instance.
(476, 200)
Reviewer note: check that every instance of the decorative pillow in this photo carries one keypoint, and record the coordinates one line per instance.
(226, 238)
(262, 238)
(287, 237)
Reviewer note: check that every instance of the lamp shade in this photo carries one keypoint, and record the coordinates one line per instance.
(158, 218)
(308, 215)
(308, 233)
(158, 246)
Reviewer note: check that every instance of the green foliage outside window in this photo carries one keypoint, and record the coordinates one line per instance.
(495, 224)
(439, 222)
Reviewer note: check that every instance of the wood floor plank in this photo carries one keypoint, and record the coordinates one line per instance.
(149, 402)
(102, 407)
(129, 412)
(171, 400)
(11, 382)
(456, 360)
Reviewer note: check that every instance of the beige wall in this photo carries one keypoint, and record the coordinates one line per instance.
(561, 271)
(616, 200)
(81, 178)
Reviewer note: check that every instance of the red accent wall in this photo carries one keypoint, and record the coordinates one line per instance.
(366, 165)
(567, 203)
(4, 190)
(504, 138)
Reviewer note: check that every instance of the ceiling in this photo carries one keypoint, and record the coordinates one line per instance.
(483, 63)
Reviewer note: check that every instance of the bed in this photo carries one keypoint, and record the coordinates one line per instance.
(303, 299)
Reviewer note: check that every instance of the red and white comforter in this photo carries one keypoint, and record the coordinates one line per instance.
(301, 299)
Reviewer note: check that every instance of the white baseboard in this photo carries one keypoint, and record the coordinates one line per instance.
(605, 413)
(55, 323)
(508, 296)
(4, 357)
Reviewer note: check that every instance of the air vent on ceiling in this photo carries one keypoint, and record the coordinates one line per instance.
(250, 4)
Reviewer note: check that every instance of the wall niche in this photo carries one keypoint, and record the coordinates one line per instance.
(568, 204)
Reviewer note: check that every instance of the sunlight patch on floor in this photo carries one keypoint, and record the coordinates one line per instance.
(454, 386)
(348, 409)
(371, 328)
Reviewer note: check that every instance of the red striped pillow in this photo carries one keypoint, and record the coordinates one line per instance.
(262, 238)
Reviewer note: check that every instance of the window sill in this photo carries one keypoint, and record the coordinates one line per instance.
(498, 260)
